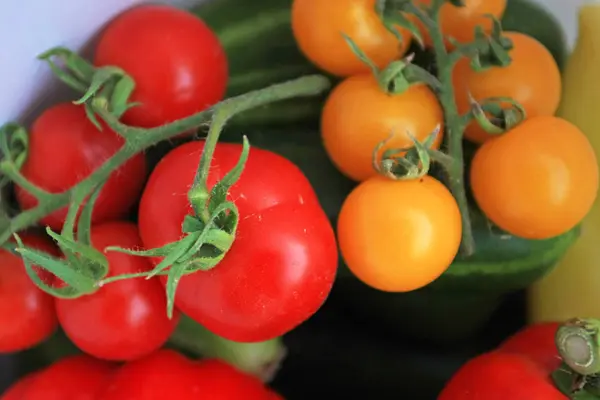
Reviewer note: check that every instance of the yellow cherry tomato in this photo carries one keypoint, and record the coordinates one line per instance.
(537, 180)
(399, 235)
(318, 26)
(358, 116)
(532, 79)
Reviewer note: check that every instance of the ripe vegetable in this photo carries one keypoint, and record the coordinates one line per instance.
(123, 320)
(538, 180)
(538, 21)
(27, 315)
(64, 148)
(176, 61)
(318, 28)
(536, 342)
(282, 264)
(166, 375)
(398, 236)
(518, 370)
(17, 389)
(532, 79)
(72, 378)
(460, 22)
(572, 287)
(358, 115)
(227, 383)
(500, 376)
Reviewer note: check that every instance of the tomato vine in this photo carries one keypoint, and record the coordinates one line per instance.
(210, 232)
(494, 115)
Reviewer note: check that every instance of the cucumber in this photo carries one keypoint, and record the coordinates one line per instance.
(261, 51)
(534, 19)
(457, 304)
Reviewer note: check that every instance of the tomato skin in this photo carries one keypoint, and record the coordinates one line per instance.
(358, 116)
(227, 383)
(500, 376)
(318, 27)
(532, 79)
(123, 320)
(274, 396)
(538, 180)
(177, 62)
(282, 264)
(163, 375)
(537, 342)
(72, 378)
(519, 369)
(64, 148)
(17, 389)
(27, 315)
(399, 235)
(166, 375)
(460, 22)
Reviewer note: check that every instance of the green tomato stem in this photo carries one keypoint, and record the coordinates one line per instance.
(261, 359)
(139, 139)
(454, 126)
(578, 343)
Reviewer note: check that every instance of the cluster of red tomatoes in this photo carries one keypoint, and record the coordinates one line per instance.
(165, 374)
(536, 181)
(278, 273)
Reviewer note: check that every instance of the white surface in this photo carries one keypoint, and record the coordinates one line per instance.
(28, 27)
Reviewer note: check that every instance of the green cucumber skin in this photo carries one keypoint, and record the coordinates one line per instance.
(261, 51)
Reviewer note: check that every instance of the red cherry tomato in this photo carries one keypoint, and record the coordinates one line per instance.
(123, 320)
(166, 375)
(17, 390)
(176, 61)
(72, 378)
(282, 264)
(64, 148)
(27, 315)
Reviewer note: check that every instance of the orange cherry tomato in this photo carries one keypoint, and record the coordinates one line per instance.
(538, 180)
(358, 116)
(318, 26)
(460, 22)
(532, 79)
(399, 235)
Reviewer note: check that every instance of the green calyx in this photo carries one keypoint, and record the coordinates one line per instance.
(109, 83)
(207, 234)
(405, 163)
(578, 344)
(492, 115)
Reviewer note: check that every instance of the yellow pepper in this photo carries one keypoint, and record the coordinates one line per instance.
(572, 289)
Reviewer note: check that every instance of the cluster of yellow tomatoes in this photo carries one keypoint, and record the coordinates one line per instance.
(536, 181)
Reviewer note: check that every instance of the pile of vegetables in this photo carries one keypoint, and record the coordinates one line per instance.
(413, 143)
